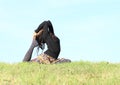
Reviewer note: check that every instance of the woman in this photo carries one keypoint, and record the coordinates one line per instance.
(44, 34)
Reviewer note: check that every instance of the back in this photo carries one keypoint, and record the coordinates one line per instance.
(53, 44)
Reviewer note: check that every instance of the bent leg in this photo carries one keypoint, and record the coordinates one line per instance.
(28, 55)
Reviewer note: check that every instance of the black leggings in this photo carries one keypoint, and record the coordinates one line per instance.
(28, 55)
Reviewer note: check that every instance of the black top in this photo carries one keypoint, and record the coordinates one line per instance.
(48, 36)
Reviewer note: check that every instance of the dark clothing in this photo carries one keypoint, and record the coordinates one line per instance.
(28, 55)
(48, 37)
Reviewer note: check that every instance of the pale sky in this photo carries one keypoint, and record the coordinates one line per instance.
(89, 30)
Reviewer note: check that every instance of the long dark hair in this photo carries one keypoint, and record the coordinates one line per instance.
(40, 40)
(41, 43)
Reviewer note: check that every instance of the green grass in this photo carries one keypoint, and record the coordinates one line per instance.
(75, 73)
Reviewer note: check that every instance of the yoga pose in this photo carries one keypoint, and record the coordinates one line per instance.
(44, 34)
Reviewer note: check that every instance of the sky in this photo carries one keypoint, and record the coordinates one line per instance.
(89, 30)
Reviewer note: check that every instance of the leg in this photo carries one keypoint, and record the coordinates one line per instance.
(42, 59)
(33, 60)
(62, 60)
(28, 55)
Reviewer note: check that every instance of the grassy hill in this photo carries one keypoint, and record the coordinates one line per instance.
(75, 73)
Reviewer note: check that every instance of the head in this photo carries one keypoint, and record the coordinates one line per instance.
(40, 41)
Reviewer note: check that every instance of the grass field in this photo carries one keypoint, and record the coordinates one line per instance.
(75, 73)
